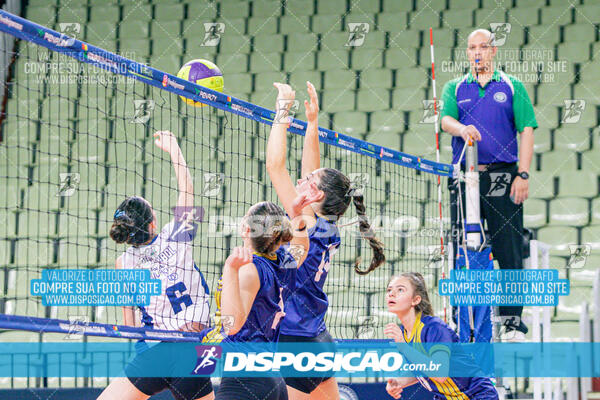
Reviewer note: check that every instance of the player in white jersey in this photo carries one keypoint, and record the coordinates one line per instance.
(183, 304)
(184, 301)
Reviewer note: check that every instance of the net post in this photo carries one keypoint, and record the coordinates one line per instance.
(535, 329)
(473, 216)
(437, 159)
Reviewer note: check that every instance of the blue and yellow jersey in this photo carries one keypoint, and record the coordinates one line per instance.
(428, 329)
(307, 305)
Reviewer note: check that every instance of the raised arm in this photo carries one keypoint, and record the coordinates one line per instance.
(300, 243)
(395, 386)
(166, 141)
(128, 311)
(276, 151)
(441, 356)
(240, 286)
(311, 157)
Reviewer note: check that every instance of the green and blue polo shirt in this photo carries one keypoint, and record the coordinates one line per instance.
(498, 110)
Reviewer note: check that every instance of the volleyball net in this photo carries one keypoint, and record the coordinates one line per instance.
(77, 131)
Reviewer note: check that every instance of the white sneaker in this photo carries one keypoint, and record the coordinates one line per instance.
(512, 336)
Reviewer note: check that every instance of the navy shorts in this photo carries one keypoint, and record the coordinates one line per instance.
(307, 384)
(252, 389)
(183, 388)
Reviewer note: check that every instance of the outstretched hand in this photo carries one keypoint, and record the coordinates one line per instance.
(306, 199)
(239, 257)
(285, 96)
(393, 388)
(312, 108)
(166, 141)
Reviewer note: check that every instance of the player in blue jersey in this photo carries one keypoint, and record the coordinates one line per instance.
(407, 298)
(306, 307)
(256, 280)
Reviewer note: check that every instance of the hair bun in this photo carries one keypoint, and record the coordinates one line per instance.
(120, 231)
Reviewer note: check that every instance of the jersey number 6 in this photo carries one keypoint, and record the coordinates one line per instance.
(176, 300)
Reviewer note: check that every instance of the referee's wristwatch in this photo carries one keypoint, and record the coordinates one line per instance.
(523, 175)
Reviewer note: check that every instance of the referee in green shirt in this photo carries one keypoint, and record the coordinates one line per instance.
(491, 107)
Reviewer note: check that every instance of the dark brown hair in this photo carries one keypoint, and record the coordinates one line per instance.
(131, 221)
(338, 193)
(420, 289)
(269, 227)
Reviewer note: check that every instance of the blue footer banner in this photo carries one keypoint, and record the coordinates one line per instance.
(341, 359)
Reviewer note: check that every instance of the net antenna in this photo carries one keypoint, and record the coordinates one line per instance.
(437, 159)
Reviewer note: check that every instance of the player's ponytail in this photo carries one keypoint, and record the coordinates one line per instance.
(338, 194)
(131, 221)
(336, 187)
(420, 289)
(368, 234)
(269, 227)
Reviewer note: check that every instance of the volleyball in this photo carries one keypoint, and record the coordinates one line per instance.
(204, 73)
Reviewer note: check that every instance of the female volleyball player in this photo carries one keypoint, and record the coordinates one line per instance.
(407, 298)
(183, 304)
(306, 307)
(257, 279)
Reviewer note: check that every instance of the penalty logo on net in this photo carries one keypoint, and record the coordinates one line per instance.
(429, 111)
(367, 328)
(436, 256)
(500, 32)
(212, 33)
(286, 110)
(573, 111)
(212, 184)
(142, 111)
(69, 182)
(579, 255)
(70, 31)
(207, 359)
(358, 183)
(358, 33)
(76, 326)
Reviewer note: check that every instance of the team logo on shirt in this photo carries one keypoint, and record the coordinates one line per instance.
(500, 97)
(207, 359)
(346, 393)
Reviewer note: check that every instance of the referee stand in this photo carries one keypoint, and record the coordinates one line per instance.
(474, 323)
(482, 324)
